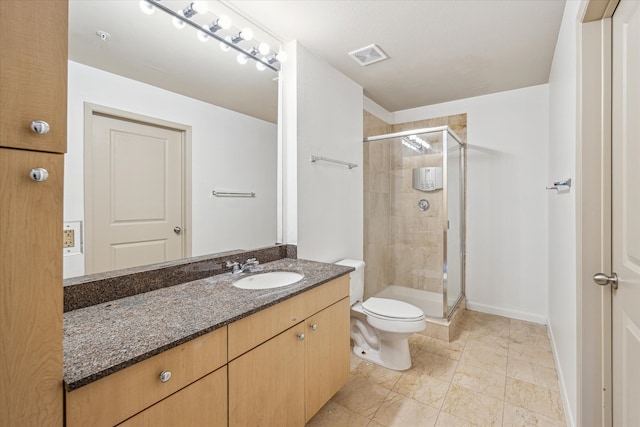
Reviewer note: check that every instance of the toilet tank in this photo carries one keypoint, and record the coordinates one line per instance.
(356, 284)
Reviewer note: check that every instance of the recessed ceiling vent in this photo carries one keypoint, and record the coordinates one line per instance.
(368, 55)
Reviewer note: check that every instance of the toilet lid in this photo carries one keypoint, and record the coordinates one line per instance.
(391, 308)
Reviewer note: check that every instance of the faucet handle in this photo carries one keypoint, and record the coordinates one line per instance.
(253, 261)
(231, 264)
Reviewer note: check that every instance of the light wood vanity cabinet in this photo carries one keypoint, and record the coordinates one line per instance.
(327, 355)
(203, 403)
(284, 363)
(123, 394)
(287, 379)
(33, 86)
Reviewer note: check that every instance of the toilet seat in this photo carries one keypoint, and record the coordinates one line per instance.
(389, 309)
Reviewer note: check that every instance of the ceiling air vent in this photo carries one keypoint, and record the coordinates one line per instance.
(368, 55)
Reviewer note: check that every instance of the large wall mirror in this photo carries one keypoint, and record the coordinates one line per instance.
(140, 71)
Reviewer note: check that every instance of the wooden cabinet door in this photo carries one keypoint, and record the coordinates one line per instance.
(33, 73)
(327, 355)
(203, 403)
(266, 384)
(30, 289)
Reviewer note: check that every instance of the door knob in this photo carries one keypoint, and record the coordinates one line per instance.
(177, 230)
(603, 280)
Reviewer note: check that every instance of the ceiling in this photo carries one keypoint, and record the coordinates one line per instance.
(439, 50)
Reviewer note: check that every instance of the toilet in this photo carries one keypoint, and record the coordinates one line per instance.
(380, 327)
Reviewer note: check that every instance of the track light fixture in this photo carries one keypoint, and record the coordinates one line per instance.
(416, 143)
(183, 17)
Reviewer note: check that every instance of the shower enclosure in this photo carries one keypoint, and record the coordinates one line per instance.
(414, 204)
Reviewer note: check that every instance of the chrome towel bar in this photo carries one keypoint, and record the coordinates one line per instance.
(314, 159)
(232, 194)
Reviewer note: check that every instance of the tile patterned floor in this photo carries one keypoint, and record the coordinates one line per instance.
(498, 372)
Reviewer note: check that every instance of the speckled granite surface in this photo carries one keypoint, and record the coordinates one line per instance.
(108, 337)
(85, 291)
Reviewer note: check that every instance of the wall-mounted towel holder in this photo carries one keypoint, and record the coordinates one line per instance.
(314, 159)
(560, 185)
(233, 194)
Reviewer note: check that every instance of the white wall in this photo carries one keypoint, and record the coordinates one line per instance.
(229, 151)
(327, 122)
(507, 222)
(562, 207)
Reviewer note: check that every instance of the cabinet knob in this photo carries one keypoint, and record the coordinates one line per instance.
(40, 127)
(165, 376)
(313, 326)
(301, 337)
(39, 174)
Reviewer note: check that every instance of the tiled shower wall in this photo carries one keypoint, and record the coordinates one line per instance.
(402, 245)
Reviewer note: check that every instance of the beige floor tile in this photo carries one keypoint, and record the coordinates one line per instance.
(333, 414)
(515, 416)
(496, 344)
(480, 380)
(473, 407)
(448, 420)
(532, 373)
(401, 411)
(386, 378)
(534, 398)
(422, 387)
(541, 355)
(354, 361)
(528, 327)
(436, 366)
(361, 396)
(415, 343)
(524, 337)
(485, 357)
(452, 350)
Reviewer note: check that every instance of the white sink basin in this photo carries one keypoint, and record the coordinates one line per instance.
(268, 280)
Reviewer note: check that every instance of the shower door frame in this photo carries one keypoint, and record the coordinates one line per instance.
(447, 132)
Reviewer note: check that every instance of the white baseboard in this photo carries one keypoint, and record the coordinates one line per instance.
(563, 390)
(507, 312)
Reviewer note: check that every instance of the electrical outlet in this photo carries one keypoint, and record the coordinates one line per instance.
(68, 240)
(72, 238)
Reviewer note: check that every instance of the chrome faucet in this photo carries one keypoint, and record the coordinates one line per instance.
(238, 268)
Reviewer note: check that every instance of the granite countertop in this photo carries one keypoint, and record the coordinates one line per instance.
(104, 338)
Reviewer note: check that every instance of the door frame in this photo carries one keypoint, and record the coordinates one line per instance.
(593, 212)
(90, 110)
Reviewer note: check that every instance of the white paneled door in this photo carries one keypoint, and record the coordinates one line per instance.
(626, 214)
(134, 194)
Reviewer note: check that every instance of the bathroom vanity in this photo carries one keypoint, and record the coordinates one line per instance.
(206, 353)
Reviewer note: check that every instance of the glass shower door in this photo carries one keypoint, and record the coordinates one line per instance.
(454, 226)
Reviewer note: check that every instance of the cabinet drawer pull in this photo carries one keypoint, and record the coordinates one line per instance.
(313, 326)
(39, 174)
(301, 337)
(165, 376)
(40, 127)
